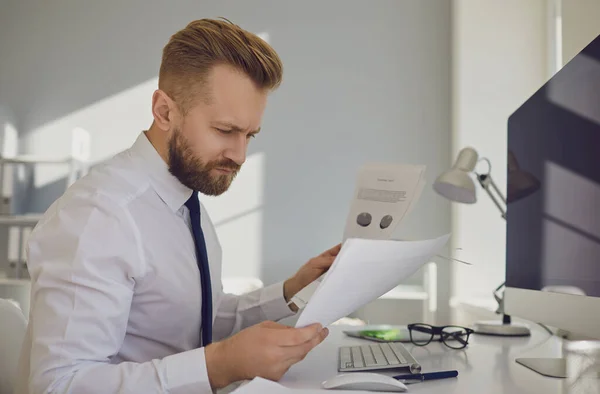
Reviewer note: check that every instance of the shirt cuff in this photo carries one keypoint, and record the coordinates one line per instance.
(186, 372)
(273, 303)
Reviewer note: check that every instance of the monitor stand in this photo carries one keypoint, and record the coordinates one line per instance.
(552, 367)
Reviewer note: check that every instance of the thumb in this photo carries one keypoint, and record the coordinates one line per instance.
(304, 334)
(272, 324)
(333, 251)
(324, 262)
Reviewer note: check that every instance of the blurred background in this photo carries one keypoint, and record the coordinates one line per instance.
(401, 81)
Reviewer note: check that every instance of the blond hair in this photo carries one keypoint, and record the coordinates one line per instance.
(191, 53)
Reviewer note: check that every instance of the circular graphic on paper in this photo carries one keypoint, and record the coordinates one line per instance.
(364, 219)
(386, 221)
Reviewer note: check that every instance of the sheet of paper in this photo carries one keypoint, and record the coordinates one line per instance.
(383, 194)
(396, 181)
(363, 271)
(261, 386)
(416, 197)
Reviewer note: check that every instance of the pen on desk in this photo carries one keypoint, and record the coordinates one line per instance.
(428, 376)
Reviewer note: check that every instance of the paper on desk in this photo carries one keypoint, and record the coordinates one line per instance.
(261, 386)
(384, 194)
(364, 270)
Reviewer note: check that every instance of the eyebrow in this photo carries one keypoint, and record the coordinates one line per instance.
(235, 128)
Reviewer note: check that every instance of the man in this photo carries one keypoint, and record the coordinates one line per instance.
(126, 265)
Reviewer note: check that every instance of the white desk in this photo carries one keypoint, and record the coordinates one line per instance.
(487, 366)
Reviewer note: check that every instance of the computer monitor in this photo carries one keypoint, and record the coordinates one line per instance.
(553, 231)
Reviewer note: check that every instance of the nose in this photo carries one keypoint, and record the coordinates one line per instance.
(237, 151)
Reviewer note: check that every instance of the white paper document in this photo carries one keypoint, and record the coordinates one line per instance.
(370, 263)
(364, 270)
(383, 196)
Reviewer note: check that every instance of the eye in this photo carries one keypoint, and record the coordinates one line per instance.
(222, 131)
(251, 136)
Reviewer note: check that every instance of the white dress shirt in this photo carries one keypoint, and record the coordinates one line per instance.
(115, 298)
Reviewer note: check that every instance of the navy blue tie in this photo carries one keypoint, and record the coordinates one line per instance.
(202, 258)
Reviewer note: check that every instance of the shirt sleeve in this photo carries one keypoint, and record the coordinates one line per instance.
(84, 260)
(235, 313)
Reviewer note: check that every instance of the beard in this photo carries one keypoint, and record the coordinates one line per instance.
(192, 172)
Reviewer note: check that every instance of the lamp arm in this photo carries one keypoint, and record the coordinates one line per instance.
(485, 180)
(498, 192)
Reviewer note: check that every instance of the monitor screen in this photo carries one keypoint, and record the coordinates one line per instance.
(553, 183)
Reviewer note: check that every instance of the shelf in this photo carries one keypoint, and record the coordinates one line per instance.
(14, 282)
(35, 159)
(20, 220)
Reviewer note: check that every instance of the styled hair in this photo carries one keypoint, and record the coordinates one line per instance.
(192, 52)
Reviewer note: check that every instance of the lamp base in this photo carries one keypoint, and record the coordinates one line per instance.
(498, 328)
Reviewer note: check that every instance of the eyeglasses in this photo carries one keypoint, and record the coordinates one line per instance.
(455, 337)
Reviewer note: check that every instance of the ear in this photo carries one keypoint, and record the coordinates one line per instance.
(164, 110)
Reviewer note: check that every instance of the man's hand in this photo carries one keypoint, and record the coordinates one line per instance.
(310, 271)
(266, 350)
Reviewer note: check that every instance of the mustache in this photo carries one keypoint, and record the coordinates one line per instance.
(227, 164)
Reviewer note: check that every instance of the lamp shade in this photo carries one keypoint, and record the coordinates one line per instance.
(520, 184)
(456, 184)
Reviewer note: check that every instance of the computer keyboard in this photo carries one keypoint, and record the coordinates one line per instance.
(375, 356)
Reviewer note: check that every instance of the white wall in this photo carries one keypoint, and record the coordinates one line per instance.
(499, 60)
(580, 25)
(7, 117)
(363, 81)
(8, 126)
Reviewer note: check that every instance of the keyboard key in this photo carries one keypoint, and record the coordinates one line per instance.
(398, 352)
(345, 354)
(368, 356)
(345, 358)
(357, 357)
(380, 359)
(389, 354)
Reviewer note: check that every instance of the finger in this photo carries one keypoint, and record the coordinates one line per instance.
(302, 350)
(298, 336)
(272, 324)
(323, 262)
(333, 251)
(299, 352)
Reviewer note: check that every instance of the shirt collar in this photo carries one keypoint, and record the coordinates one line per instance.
(168, 188)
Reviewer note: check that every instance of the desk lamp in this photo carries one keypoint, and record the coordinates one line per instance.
(457, 185)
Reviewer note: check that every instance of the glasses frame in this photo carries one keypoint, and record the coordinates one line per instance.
(439, 330)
